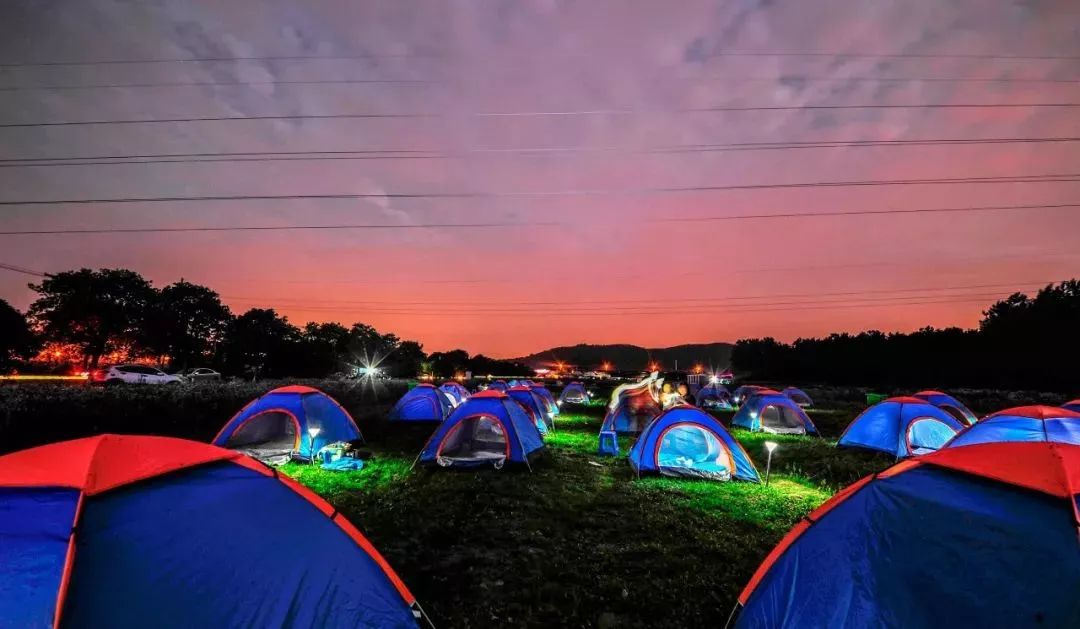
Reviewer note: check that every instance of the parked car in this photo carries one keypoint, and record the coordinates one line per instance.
(131, 374)
(199, 374)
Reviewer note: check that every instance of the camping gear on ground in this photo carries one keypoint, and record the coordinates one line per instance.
(285, 423)
(798, 396)
(1024, 423)
(950, 405)
(488, 429)
(875, 398)
(425, 403)
(131, 531)
(574, 393)
(979, 536)
(687, 441)
(902, 427)
(769, 411)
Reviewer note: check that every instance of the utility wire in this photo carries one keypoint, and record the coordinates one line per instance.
(106, 62)
(23, 270)
(97, 86)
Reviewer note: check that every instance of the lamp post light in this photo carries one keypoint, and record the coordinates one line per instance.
(769, 446)
(313, 432)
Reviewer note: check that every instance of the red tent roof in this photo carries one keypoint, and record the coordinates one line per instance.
(907, 399)
(929, 392)
(1035, 412)
(295, 388)
(489, 393)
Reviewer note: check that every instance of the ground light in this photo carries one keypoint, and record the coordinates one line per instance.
(769, 446)
(314, 432)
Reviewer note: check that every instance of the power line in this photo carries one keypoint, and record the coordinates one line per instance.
(531, 114)
(105, 62)
(494, 225)
(441, 154)
(893, 55)
(96, 86)
(23, 270)
(1049, 178)
(792, 78)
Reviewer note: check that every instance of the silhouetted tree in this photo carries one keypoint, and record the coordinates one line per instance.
(404, 361)
(187, 324)
(261, 343)
(446, 364)
(324, 349)
(99, 311)
(17, 340)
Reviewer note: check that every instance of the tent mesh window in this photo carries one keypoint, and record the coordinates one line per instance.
(689, 450)
(270, 431)
(781, 419)
(478, 438)
(926, 434)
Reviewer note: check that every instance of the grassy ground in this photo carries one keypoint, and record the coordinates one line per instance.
(580, 541)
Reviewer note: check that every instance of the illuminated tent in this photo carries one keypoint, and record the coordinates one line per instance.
(498, 385)
(1024, 423)
(713, 396)
(488, 429)
(422, 403)
(574, 393)
(455, 392)
(129, 531)
(902, 427)
(534, 405)
(1072, 406)
(549, 399)
(798, 396)
(950, 405)
(279, 425)
(775, 413)
(747, 391)
(687, 441)
(982, 536)
(512, 383)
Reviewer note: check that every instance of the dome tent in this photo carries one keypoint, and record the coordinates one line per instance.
(279, 424)
(488, 429)
(132, 531)
(534, 405)
(713, 395)
(422, 403)
(498, 385)
(1073, 406)
(549, 399)
(902, 427)
(950, 405)
(891, 549)
(574, 393)
(1024, 423)
(798, 396)
(631, 408)
(746, 391)
(687, 441)
(455, 392)
(773, 412)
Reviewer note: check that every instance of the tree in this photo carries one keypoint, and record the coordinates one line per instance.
(262, 343)
(188, 323)
(324, 349)
(17, 341)
(447, 364)
(98, 311)
(406, 359)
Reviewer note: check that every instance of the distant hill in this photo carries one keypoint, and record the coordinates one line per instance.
(632, 357)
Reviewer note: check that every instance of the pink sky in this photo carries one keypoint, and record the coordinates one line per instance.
(466, 288)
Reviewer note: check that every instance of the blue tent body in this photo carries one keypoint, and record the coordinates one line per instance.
(488, 429)
(747, 391)
(422, 403)
(535, 405)
(950, 405)
(775, 413)
(983, 536)
(574, 393)
(798, 396)
(902, 427)
(280, 423)
(687, 441)
(713, 395)
(174, 533)
(1026, 423)
(455, 392)
(549, 399)
(1073, 406)
(498, 385)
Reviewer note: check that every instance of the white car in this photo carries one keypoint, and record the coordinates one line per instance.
(131, 374)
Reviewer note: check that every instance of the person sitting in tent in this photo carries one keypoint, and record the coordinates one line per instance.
(666, 396)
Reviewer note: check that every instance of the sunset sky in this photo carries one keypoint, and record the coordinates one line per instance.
(570, 132)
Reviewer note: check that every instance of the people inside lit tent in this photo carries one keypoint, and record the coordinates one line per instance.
(714, 395)
(489, 429)
(1024, 423)
(174, 533)
(288, 422)
(798, 396)
(980, 536)
(902, 427)
(950, 405)
(455, 392)
(423, 403)
(631, 408)
(773, 412)
(535, 406)
(574, 393)
(687, 441)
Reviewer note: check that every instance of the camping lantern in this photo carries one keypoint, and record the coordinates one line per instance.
(313, 432)
(769, 447)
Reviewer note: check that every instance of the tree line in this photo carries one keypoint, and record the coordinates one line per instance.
(100, 316)
(1022, 342)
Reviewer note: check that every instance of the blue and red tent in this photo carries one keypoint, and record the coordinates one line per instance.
(687, 441)
(1073, 406)
(713, 395)
(574, 393)
(549, 399)
(498, 385)
(288, 421)
(902, 427)
(769, 411)
(488, 429)
(798, 396)
(127, 531)
(423, 403)
(1024, 423)
(950, 405)
(981, 536)
(534, 405)
(455, 392)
